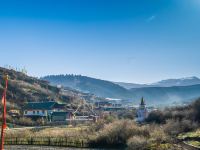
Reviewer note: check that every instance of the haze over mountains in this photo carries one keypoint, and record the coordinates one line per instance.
(163, 83)
(162, 92)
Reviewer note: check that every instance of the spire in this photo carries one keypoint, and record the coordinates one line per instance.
(142, 101)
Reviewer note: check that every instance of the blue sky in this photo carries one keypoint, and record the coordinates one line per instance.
(138, 41)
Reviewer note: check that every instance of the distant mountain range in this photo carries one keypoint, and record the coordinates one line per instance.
(164, 83)
(162, 92)
(89, 85)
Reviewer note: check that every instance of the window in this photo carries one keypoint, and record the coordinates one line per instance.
(33, 112)
(43, 111)
(38, 112)
(25, 112)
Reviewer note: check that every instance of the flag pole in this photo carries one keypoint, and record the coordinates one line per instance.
(4, 112)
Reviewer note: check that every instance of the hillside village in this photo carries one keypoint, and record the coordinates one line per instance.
(33, 98)
(34, 103)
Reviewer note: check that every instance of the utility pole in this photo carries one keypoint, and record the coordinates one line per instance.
(4, 112)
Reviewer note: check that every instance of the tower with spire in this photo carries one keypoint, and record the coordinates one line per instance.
(142, 111)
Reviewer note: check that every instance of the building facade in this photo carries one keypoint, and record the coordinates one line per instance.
(42, 109)
(142, 112)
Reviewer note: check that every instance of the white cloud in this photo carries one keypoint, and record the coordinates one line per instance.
(151, 18)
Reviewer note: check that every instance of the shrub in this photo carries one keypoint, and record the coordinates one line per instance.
(158, 136)
(109, 118)
(118, 132)
(126, 114)
(25, 121)
(41, 121)
(174, 127)
(156, 117)
(196, 109)
(137, 143)
(97, 126)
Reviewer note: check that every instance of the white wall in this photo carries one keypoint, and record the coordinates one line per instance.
(37, 113)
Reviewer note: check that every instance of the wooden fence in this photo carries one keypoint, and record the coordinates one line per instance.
(48, 141)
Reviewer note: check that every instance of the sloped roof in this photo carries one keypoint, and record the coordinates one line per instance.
(61, 113)
(39, 105)
(142, 101)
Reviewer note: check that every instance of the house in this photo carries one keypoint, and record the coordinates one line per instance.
(142, 112)
(42, 109)
(60, 116)
(100, 104)
(108, 103)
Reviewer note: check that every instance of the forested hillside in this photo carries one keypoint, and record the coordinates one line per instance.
(23, 88)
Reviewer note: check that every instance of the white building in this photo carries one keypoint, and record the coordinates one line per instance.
(41, 109)
(142, 112)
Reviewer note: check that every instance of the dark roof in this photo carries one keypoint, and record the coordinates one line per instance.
(40, 105)
(59, 105)
(59, 113)
(142, 101)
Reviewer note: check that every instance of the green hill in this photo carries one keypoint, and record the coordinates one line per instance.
(23, 88)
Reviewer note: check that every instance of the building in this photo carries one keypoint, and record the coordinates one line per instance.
(142, 111)
(108, 103)
(102, 103)
(42, 109)
(60, 116)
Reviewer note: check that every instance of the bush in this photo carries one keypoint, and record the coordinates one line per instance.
(25, 121)
(97, 126)
(196, 109)
(158, 136)
(118, 132)
(109, 118)
(175, 127)
(137, 143)
(126, 114)
(41, 121)
(156, 117)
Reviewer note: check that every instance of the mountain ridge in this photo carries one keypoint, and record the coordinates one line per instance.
(109, 89)
(187, 81)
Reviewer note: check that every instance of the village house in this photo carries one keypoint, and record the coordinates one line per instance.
(42, 109)
(61, 116)
(108, 103)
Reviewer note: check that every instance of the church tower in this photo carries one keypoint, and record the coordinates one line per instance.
(142, 111)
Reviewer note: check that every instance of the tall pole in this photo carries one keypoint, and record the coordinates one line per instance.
(4, 112)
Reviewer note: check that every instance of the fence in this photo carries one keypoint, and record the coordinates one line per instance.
(48, 141)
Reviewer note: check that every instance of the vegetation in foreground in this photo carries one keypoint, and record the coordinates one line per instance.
(160, 132)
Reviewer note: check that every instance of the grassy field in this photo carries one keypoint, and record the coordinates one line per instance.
(195, 134)
(65, 136)
(64, 131)
(194, 143)
(192, 138)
